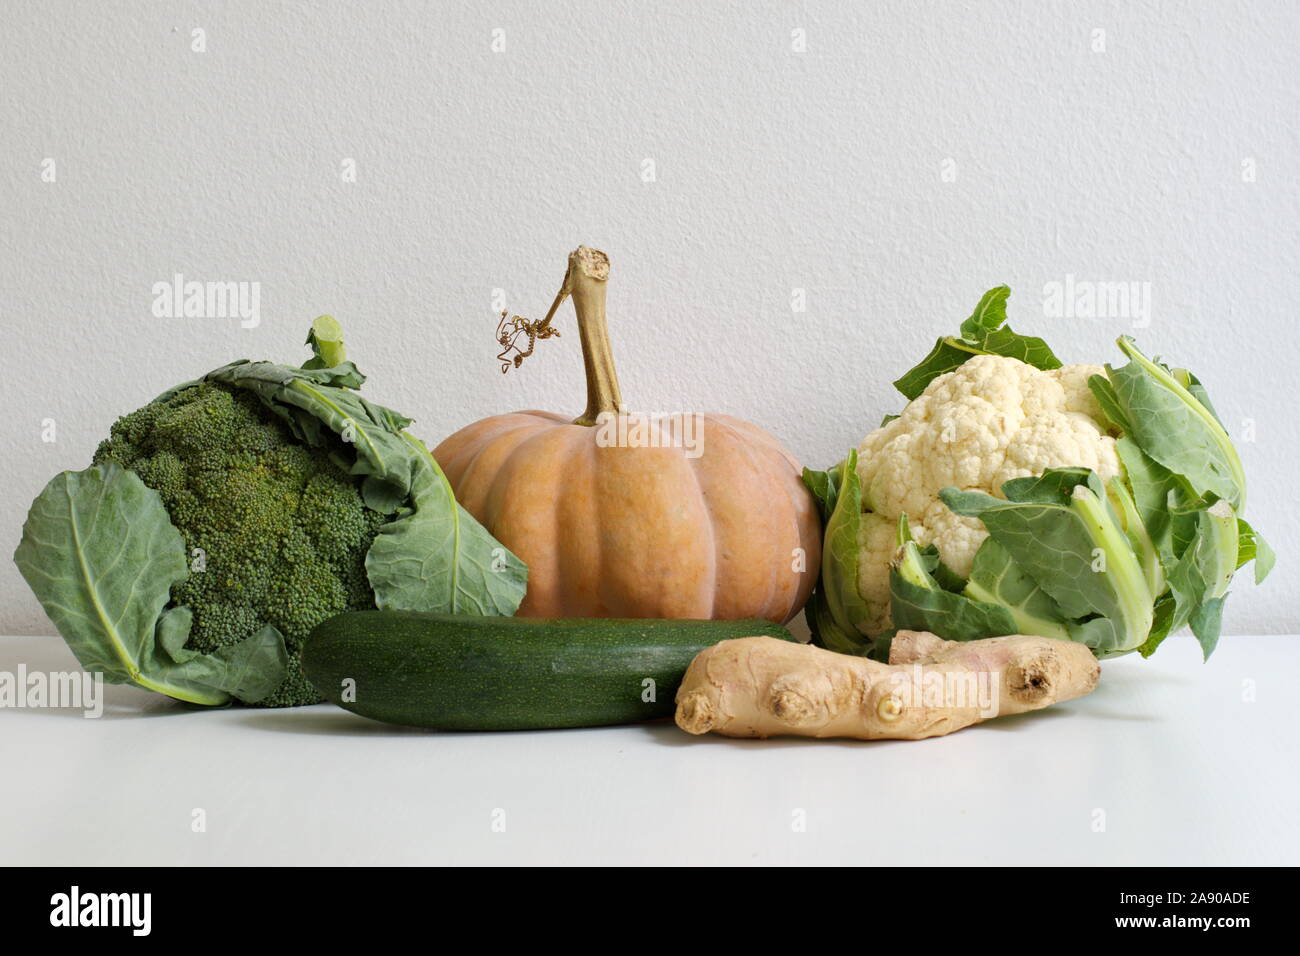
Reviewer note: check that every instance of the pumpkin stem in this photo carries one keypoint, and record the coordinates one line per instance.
(584, 280)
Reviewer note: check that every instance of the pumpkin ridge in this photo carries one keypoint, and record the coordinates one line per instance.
(576, 441)
(592, 464)
(521, 462)
(754, 465)
(763, 437)
(472, 446)
(713, 528)
(468, 474)
(655, 555)
(796, 496)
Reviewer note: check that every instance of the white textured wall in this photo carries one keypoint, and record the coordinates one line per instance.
(775, 170)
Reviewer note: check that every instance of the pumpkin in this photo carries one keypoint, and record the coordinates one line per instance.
(623, 515)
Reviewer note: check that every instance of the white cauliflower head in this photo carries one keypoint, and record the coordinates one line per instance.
(975, 428)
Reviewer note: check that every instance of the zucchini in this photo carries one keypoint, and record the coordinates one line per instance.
(459, 672)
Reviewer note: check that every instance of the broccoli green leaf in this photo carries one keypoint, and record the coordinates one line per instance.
(437, 555)
(250, 669)
(83, 531)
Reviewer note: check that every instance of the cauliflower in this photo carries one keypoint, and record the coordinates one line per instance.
(990, 420)
(1017, 495)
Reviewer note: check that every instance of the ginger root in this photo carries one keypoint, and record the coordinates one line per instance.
(761, 686)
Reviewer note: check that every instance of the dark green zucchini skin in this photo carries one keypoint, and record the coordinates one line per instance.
(457, 672)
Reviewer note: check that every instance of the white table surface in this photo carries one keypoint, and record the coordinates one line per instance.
(1189, 763)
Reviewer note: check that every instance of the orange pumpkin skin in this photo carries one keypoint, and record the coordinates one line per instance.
(613, 531)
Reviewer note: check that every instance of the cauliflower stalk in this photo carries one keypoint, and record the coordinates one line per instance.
(1015, 495)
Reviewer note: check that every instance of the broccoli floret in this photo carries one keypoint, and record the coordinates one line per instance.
(280, 530)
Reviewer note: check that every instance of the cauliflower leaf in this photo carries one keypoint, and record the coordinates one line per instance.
(984, 333)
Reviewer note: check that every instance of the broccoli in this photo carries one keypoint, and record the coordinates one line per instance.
(221, 523)
(277, 531)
